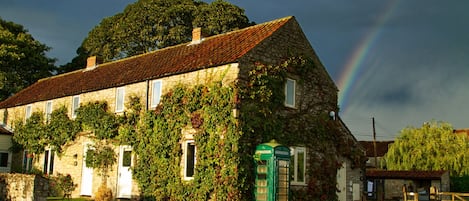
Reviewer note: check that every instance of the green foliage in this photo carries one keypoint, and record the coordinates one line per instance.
(208, 109)
(433, 146)
(460, 184)
(94, 116)
(23, 60)
(100, 156)
(63, 183)
(61, 129)
(31, 135)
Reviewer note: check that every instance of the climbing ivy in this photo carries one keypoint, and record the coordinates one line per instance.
(94, 116)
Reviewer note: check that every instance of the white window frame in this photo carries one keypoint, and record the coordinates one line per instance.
(185, 155)
(156, 93)
(291, 92)
(48, 110)
(28, 111)
(75, 105)
(294, 155)
(120, 99)
(49, 158)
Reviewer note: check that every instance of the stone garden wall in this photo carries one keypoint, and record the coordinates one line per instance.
(23, 187)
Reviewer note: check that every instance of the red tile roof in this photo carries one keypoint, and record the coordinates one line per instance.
(399, 174)
(381, 148)
(212, 51)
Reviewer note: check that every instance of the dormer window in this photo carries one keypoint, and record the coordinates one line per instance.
(290, 92)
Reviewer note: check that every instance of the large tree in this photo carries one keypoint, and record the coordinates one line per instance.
(23, 59)
(148, 25)
(433, 146)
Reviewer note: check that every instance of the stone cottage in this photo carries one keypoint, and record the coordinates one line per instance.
(193, 114)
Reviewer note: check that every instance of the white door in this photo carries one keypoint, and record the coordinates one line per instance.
(342, 182)
(86, 175)
(124, 179)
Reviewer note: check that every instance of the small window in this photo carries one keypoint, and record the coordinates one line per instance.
(290, 93)
(156, 93)
(75, 105)
(298, 165)
(3, 159)
(49, 162)
(120, 95)
(48, 110)
(127, 158)
(189, 159)
(28, 111)
(27, 162)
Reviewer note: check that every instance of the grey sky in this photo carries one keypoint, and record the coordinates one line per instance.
(415, 70)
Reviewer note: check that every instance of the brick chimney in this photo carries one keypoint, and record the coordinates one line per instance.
(92, 62)
(197, 35)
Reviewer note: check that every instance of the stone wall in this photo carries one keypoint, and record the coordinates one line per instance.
(22, 187)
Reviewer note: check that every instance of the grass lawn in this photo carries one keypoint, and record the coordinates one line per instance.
(72, 199)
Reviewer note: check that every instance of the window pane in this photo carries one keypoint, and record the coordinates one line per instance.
(48, 110)
(301, 166)
(290, 93)
(127, 159)
(46, 161)
(75, 105)
(190, 159)
(156, 93)
(28, 111)
(120, 99)
(51, 163)
(3, 159)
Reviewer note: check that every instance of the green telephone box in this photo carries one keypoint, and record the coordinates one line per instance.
(272, 172)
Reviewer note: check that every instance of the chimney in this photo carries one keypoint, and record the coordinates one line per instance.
(92, 62)
(197, 35)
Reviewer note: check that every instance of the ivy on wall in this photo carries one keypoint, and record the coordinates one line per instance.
(225, 141)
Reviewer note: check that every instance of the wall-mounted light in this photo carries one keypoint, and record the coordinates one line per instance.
(75, 156)
(332, 115)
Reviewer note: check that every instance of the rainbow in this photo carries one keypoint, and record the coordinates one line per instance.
(354, 65)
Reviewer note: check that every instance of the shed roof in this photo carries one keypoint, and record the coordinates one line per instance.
(212, 51)
(401, 174)
(381, 148)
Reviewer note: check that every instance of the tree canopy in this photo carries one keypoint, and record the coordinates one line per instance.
(23, 59)
(433, 146)
(148, 25)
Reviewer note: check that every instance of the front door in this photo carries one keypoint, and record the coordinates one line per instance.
(124, 180)
(86, 175)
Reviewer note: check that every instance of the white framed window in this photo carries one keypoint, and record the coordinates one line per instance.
(28, 111)
(189, 157)
(290, 92)
(75, 105)
(49, 155)
(156, 88)
(48, 110)
(120, 99)
(298, 165)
